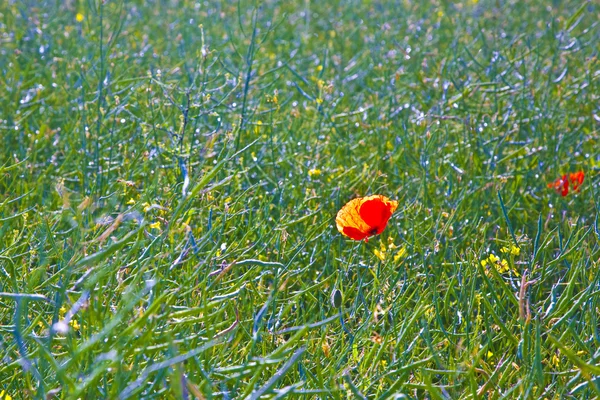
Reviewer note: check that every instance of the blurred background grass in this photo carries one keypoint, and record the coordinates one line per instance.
(171, 171)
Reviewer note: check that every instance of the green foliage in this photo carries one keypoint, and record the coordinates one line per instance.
(171, 171)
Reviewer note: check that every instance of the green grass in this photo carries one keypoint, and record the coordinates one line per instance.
(162, 236)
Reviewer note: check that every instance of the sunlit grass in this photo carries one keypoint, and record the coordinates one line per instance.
(171, 174)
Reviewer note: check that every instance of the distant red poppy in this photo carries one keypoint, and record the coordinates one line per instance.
(561, 185)
(576, 180)
(365, 216)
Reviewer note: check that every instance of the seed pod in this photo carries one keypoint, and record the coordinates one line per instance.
(336, 298)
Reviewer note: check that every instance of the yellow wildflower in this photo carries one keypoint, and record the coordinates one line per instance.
(74, 324)
(155, 225)
(314, 172)
(514, 250)
(379, 254)
(401, 254)
(503, 266)
(391, 244)
(257, 127)
(131, 201)
(5, 396)
(79, 17)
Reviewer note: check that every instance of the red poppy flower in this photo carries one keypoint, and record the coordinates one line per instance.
(576, 180)
(365, 216)
(561, 185)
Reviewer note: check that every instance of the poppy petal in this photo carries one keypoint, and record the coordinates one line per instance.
(354, 233)
(348, 217)
(375, 213)
(576, 179)
(565, 186)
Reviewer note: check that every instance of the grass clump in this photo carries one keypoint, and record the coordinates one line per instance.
(171, 174)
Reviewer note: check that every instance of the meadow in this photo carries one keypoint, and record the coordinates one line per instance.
(171, 171)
